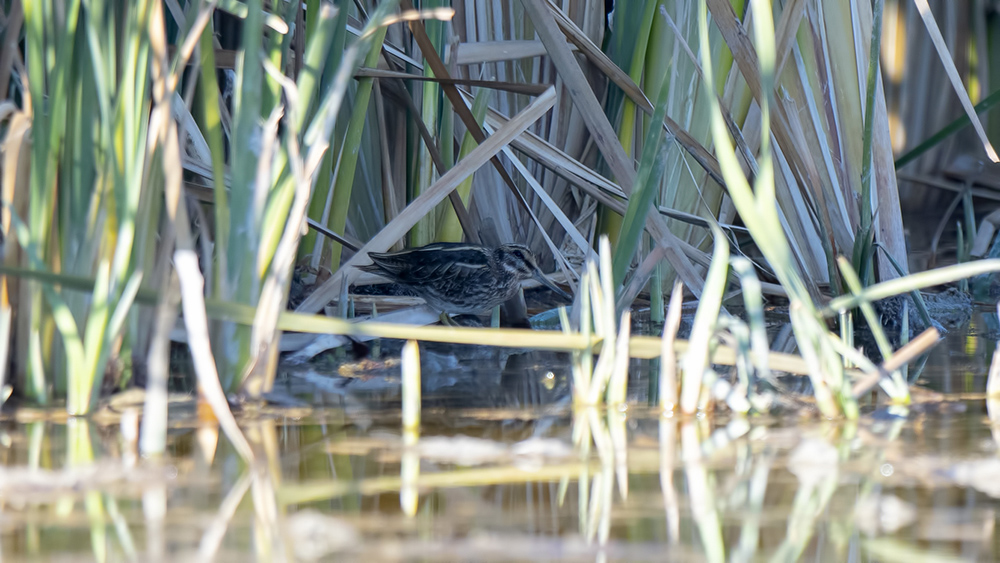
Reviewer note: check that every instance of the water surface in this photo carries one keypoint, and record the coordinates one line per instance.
(504, 469)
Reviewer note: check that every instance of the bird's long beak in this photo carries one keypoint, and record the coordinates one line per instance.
(551, 285)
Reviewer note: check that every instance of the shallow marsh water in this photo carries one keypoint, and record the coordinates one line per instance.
(503, 469)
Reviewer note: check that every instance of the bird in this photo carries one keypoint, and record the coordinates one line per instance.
(457, 278)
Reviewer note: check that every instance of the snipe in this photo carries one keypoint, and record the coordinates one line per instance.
(457, 278)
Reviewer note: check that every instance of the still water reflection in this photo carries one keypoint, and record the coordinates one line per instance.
(504, 469)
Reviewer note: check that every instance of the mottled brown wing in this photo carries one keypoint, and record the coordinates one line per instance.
(429, 263)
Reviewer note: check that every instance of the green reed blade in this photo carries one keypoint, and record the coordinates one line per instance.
(647, 185)
(344, 183)
(247, 108)
(323, 185)
(610, 222)
(862, 242)
(61, 314)
(947, 131)
(212, 129)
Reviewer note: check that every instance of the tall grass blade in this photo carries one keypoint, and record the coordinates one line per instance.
(344, 183)
(758, 207)
(668, 356)
(647, 185)
(696, 360)
(411, 385)
(863, 240)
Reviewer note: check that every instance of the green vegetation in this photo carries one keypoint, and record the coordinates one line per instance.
(174, 172)
(140, 173)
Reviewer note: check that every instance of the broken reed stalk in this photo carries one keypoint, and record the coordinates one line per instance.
(409, 468)
(411, 385)
(909, 352)
(668, 357)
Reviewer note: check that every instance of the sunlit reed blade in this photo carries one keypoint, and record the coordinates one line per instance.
(668, 356)
(618, 383)
(647, 184)
(696, 359)
(411, 385)
(5, 326)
